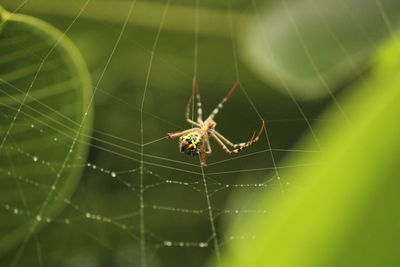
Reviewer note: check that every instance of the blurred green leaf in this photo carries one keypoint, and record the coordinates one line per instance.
(181, 16)
(315, 47)
(44, 92)
(343, 211)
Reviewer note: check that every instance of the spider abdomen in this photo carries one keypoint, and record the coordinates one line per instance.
(190, 143)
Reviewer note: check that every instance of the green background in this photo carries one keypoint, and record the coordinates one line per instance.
(320, 189)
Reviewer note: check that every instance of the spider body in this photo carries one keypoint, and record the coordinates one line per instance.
(191, 143)
(196, 141)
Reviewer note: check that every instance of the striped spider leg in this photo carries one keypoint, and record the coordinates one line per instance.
(221, 140)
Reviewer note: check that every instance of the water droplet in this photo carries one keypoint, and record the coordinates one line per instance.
(203, 245)
(35, 158)
(113, 174)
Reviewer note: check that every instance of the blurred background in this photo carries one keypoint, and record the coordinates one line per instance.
(135, 200)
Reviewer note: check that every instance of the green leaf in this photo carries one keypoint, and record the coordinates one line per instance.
(45, 91)
(315, 47)
(343, 209)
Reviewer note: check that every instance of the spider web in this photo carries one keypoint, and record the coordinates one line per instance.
(140, 202)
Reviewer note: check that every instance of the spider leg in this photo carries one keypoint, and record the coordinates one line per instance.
(198, 100)
(253, 139)
(203, 159)
(203, 153)
(207, 142)
(237, 147)
(221, 104)
(177, 134)
(224, 146)
(187, 115)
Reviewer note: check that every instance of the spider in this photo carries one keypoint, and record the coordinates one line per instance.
(196, 140)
